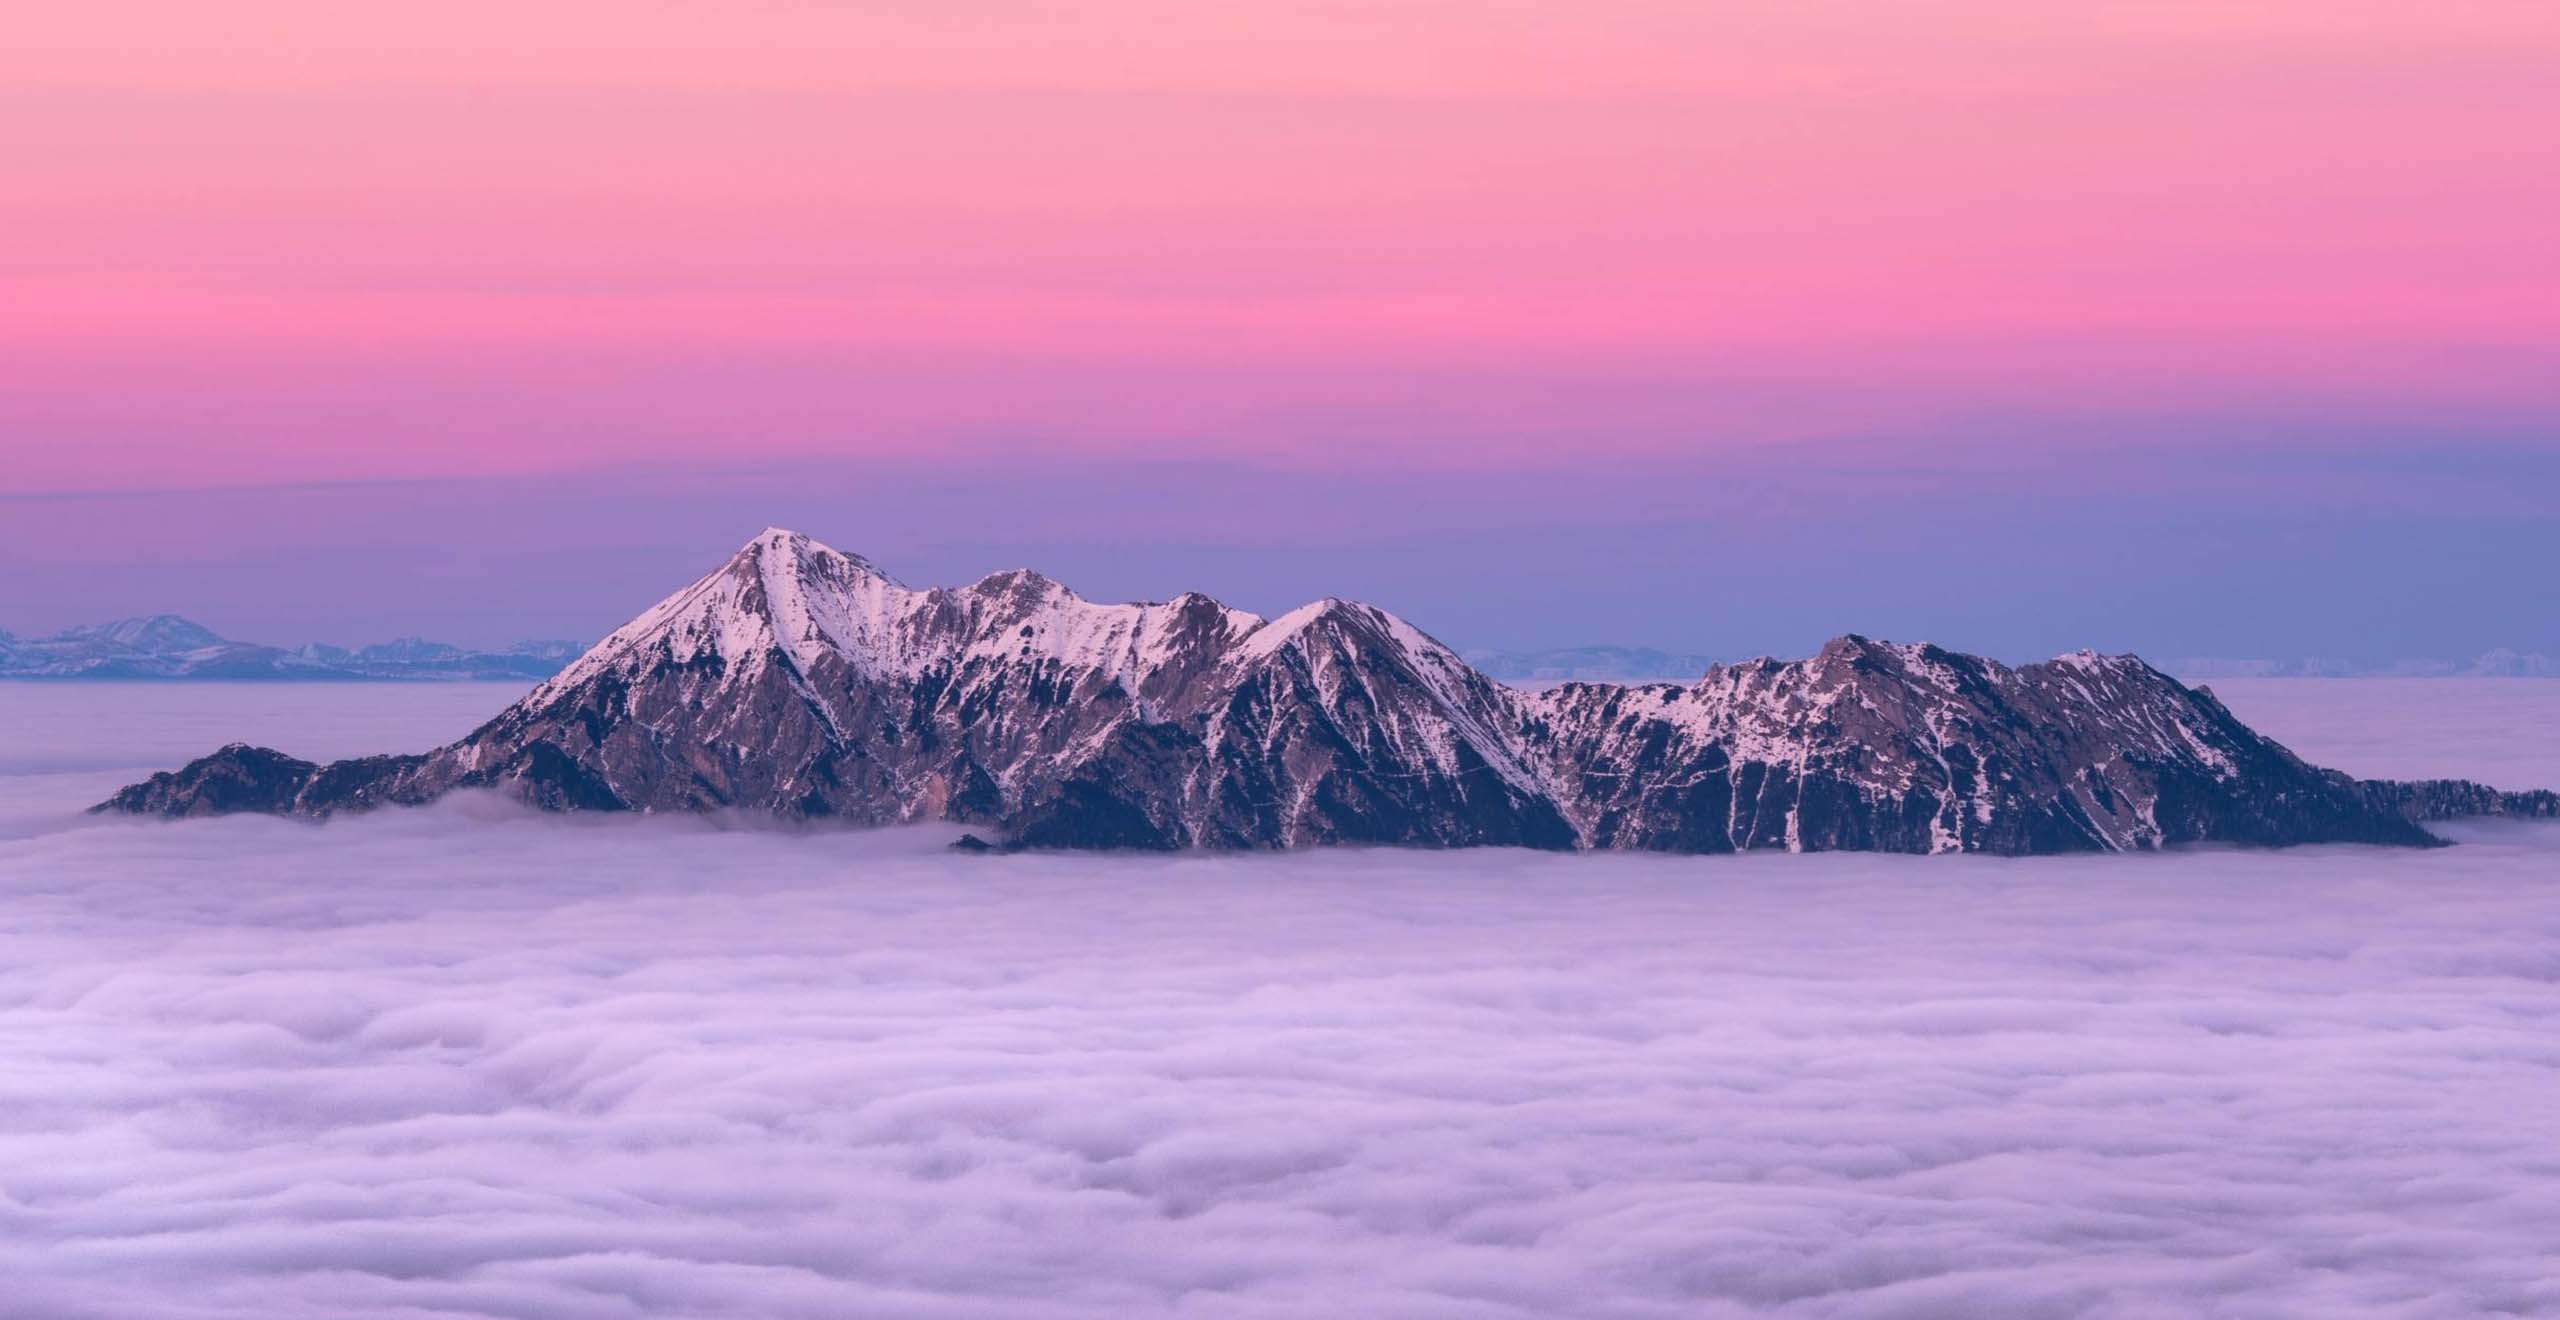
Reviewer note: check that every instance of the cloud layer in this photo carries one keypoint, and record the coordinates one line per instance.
(466, 1062)
(459, 1062)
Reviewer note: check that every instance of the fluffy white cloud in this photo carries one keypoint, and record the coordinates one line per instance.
(466, 1062)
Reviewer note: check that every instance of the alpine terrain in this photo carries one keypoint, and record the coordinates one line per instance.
(802, 681)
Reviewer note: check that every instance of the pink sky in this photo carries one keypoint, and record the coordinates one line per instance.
(252, 242)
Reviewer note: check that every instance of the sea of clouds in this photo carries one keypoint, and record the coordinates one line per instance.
(469, 1062)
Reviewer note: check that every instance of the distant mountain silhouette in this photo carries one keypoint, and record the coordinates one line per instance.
(165, 646)
(1603, 664)
(2498, 663)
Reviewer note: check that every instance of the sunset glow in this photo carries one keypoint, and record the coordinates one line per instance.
(257, 242)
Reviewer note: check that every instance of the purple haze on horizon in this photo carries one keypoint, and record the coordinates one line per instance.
(2374, 554)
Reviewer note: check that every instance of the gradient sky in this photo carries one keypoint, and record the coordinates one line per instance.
(2191, 328)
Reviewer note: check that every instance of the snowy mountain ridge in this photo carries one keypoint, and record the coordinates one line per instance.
(2497, 662)
(784, 594)
(167, 646)
(803, 681)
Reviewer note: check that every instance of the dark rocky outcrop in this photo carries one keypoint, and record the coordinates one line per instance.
(801, 681)
(239, 777)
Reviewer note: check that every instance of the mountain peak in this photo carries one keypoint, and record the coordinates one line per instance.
(1021, 584)
(780, 547)
(2090, 661)
(1277, 632)
(786, 542)
(154, 633)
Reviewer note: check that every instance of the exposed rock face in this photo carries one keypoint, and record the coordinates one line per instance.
(802, 681)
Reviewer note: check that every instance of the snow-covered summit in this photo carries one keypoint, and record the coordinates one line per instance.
(160, 634)
(786, 596)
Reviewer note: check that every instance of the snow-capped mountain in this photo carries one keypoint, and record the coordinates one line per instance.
(149, 646)
(166, 646)
(155, 634)
(2499, 662)
(799, 680)
(1874, 746)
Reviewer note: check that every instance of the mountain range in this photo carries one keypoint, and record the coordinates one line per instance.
(165, 646)
(2501, 662)
(804, 682)
(1589, 664)
(168, 646)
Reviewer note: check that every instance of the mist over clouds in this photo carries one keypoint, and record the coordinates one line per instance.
(466, 1061)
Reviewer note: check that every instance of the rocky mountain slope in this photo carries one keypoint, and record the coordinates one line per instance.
(802, 681)
(165, 646)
